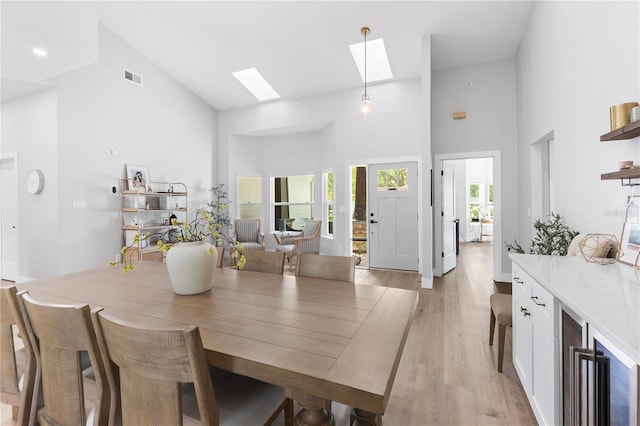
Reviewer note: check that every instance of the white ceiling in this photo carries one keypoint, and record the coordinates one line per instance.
(300, 47)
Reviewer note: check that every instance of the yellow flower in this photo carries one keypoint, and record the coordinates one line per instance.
(239, 246)
(241, 262)
(112, 263)
(212, 251)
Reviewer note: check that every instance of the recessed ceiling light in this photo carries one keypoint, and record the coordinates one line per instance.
(378, 67)
(256, 84)
(39, 52)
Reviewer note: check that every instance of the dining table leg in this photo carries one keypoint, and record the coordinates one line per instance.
(315, 411)
(360, 417)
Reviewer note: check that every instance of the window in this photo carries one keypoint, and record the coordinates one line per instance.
(393, 180)
(292, 201)
(480, 201)
(327, 203)
(249, 197)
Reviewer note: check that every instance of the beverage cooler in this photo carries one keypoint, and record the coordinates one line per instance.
(599, 382)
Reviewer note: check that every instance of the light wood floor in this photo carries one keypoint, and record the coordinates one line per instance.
(447, 375)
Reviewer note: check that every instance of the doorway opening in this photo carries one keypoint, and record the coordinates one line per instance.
(384, 215)
(469, 206)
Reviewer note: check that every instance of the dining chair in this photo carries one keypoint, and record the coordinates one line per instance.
(264, 261)
(17, 365)
(248, 232)
(60, 335)
(338, 268)
(163, 378)
(220, 258)
(307, 241)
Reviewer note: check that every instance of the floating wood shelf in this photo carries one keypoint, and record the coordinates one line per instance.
(629, 131)
(626, 174)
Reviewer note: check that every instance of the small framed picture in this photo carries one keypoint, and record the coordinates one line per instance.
(138, 177)
(630, 238)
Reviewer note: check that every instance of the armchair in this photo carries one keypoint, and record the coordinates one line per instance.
(248, 232)
(307, 241)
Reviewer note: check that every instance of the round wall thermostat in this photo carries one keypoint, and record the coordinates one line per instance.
(35, 181)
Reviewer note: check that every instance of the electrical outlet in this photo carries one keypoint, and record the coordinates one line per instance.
(119, 258)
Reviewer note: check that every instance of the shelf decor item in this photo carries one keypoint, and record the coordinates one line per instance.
(138, 177)
(621, 114)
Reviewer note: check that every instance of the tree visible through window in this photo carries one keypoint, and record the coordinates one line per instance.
(327, 202)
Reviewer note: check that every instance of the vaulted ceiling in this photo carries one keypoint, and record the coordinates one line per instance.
(300, 47)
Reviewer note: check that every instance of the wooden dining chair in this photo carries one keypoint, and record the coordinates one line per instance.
(17, 365)
(60, 335)
(271, 262)
(163, 378)
(220, 258)
(338, 268)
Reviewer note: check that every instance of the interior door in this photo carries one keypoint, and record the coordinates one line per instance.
(8, 219)
(448, 221)
(393, 216)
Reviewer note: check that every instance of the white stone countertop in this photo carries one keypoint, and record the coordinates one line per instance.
(606, 296)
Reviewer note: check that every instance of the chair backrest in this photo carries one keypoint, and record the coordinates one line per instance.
(152, 365)
(264, 261)
(311, 228)
(337, 268)
(11, 390)
(310, 241)
(220, 258)
(59, 334)
(247, 230)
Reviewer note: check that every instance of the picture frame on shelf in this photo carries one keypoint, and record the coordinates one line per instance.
(629, 250)
(138, 177)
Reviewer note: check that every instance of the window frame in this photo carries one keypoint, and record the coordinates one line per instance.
(273, 204)
(327, 230)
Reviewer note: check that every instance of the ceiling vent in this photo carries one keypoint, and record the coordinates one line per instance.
(135, 78)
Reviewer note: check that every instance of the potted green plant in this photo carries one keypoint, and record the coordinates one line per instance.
(552, 238)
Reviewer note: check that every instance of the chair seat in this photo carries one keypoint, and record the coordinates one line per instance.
(501, 307)
(241, 400)
(286, 248)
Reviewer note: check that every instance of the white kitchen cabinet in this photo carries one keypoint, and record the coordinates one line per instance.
(536, 346)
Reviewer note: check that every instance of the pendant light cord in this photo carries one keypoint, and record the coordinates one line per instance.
(366, 31)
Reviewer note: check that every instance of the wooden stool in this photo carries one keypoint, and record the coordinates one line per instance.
(500, 309)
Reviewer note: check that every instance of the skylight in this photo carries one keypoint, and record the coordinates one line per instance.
(256, 84)
(378, 67)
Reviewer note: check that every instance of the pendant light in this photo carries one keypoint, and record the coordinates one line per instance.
(365, 106)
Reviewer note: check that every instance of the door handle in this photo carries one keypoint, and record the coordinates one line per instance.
(373, 221)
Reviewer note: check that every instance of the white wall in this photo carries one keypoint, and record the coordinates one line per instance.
(29, 127)
(491, 125)
(161, 125)
(577, 59)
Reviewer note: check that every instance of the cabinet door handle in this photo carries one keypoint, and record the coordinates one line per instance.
(518, 280)
(535, 300)
(524, 311)
(600, 398)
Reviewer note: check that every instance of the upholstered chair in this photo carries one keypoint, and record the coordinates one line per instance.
(307, 241)
(248, 232)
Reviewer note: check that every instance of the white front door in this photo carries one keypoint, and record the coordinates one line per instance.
(8, 219)
(393, 216)
(448, 221)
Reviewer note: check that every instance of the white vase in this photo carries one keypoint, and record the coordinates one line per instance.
(191, 267)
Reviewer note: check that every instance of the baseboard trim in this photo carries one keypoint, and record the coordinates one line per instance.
(426, 282)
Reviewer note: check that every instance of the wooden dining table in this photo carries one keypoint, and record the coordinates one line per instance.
(321, 340)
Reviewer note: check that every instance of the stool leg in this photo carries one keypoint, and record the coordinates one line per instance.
(501, 332)
(492, 327)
